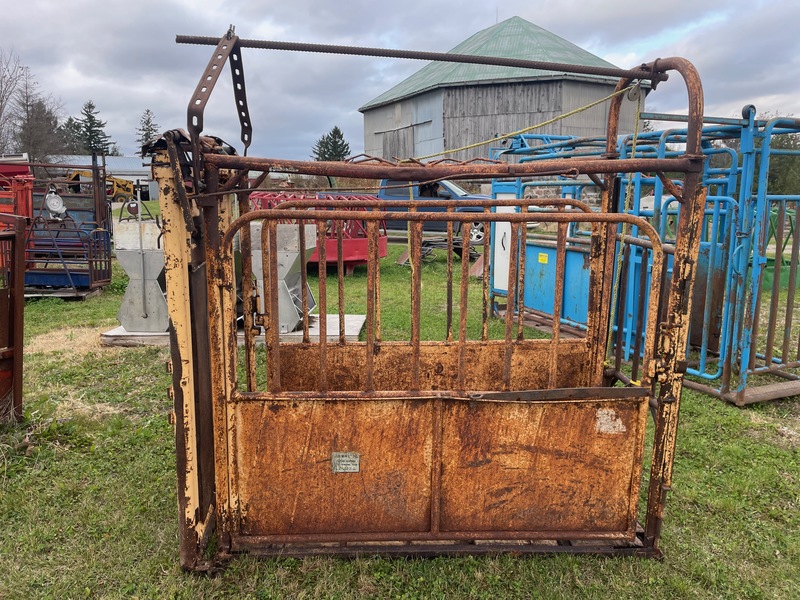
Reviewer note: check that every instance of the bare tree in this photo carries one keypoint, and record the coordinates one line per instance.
(12, 73)
(34, 117)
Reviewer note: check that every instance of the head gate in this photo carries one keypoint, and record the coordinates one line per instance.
(449, 426)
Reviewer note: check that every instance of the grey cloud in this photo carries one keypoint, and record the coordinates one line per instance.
(125, 58)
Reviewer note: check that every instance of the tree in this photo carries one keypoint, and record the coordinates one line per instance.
(148, 128)
(12, 72)
(34, 117)
(95, 139)
(331, 146)
(71, 137)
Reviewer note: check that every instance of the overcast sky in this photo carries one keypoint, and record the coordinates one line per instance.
(123, 55)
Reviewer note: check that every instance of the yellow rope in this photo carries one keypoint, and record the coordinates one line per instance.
(527, 129)
(628, 199)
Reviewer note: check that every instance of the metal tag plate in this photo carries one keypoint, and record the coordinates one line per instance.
(345, 462)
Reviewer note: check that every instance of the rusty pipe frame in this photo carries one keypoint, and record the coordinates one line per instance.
(416, 172)
(674, 333)
(647, 72)
(545, 217)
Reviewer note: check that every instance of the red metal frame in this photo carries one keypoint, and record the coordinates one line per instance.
(355, 251)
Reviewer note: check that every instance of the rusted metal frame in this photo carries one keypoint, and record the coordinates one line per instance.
(222, 365)
(652, 72)
(340, 273)
(416, 291)
(462, 304)
(673, 337)
(487, 237)
(243, 542)
(418, 172)
(558, 299)
(624, 276)
(421, 217)
(17, 296)
(223, 356)
(372, 266)
(511, 304)
(795, 258)
(14, 266)
(250, 296)
(776, 285)
(523, 244)
(553, 396)
(269, 253)
(227, 48)
(670, 186)
(376, 259)
(637, 344)
(449, 323)
(487, 205)
(323, 301)
(178, 260)
(467, 548)
(301, 236)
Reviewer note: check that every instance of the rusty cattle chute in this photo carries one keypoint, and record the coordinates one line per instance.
(470, 442)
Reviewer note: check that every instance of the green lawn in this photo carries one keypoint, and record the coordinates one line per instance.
(88, 505)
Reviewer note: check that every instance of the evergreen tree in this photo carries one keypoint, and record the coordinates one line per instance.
(148, 128)
(331, 146)
(93, 130)
(71, 137)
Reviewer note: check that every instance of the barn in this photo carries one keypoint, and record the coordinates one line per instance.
(444, 106)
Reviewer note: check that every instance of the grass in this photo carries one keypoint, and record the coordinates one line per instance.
(88, 504)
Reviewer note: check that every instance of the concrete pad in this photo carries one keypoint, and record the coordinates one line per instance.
(353, 324)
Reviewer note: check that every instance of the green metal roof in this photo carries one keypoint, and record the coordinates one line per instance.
(512, 38)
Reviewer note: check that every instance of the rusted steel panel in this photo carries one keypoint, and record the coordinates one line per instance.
(335, 467)
(438, 366)
(542, 466)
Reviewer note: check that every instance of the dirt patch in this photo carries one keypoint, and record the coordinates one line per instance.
(787, 428)
(73, 340)
(71, 407)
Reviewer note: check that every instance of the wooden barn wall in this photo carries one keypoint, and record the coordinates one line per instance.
(478, 113)
(456, 117)
(592, 122)
(411, 127)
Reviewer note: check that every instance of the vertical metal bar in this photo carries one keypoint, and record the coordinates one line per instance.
(416, 290)
(377, 259)
(787, 327)
(751, 363)
(487, 234)
(710, 291)
(16, 262)
(449, 327)
(511, 298)
(558, 300)
(249, 305)
(640, 311)
(323, 305)
(301, 233)
(521, 277)
(463, 308)
(340, 277)
(372, 267)
(776, 285)
(269, 230)
(619, 309)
